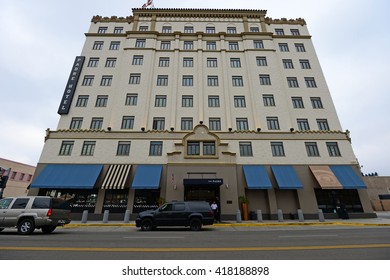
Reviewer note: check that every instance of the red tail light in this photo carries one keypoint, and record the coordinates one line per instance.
(49, 212)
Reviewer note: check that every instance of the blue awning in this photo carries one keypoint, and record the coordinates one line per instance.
(347, 177)
(256, 177)
(68, 176)
(147, 177)
(286, 177)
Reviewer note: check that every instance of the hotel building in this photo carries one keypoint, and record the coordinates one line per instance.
(200, 104)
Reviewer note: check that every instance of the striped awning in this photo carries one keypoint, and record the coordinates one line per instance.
(116, 176)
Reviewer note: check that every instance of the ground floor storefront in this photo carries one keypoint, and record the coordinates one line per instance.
(269, 188)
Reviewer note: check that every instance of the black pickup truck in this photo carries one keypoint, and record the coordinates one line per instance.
(191, 214)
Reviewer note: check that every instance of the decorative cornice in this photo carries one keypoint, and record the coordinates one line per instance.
(97, 18)
(300, 21)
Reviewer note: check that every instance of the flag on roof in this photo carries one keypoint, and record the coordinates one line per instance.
(149, 3)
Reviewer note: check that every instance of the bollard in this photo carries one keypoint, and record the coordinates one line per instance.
(300, 215)
(280, 215)
(84, 218)
(321, 215)
(105, 216)
(259, 216)
(238, 216)
(127, 217)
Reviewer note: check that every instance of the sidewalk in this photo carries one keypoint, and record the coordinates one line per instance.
(383, 219)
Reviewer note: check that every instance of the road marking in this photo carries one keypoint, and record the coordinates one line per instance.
(307, 236)
(154, 237)
(210, 249)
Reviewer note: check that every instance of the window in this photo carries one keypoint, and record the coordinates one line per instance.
(312, 149)
(135, 79)
(143, 28)
(82, 101)
(323, 124)
(165, 45)
(303, 124)
(258, 44)
(215, 124)
(245, 149)
(213, 101)
(131, 99)
(292, 82)
(288, 64)
(261, 61)
(211, 45)
(155, 148)
(101, 101)
(115, 45)
(209, 148)
(160, 101)
(231, 30)
(212, 62)
(235, 63)
(138, 59)
(127, 122)
(277, 149)
(98, 45)
(273, 123)
(279, 31)
(305, 64)
(76, 123)
(310, 82)
(188, 62)
(316, 102)
(106, 81)
(123, 148)
(187, 101)
(297, 102)
(295, 32)
(162, 80)
(93, 62)
(210, 29)
(140, 43)
(268, 100)
(88, 80)
(186, 124)
(88, 148)
(166, 29)
(66, 148)
(237, 81)
(188, 29)
(265, 80)
(110, 62)
(212, 81)
(193, 148)
(300, 47)
(102, 30)
(20, 203)
(242, 124)
(96, 123)
(158, 123)
(118, 30)
(188, 81)
(283, 47)
(163, 62)
(188, 45)
(233, 46)
(254, 29)
(239, 101)
(333, 149)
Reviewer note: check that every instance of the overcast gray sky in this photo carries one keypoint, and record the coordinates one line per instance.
(39, 40)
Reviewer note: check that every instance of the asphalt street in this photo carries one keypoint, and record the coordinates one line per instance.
(327, 242)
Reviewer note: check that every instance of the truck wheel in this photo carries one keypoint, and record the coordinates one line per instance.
(195, 224)
(48, 229)
(26, 226)
(146, 225)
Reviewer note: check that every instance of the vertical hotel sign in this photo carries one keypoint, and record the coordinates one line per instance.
(71, 86)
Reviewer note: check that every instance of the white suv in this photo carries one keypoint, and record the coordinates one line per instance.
(30, 212)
